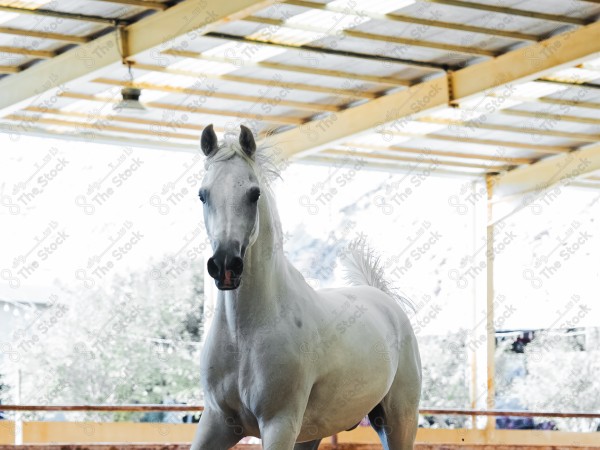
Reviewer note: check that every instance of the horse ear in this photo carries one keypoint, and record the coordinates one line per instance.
(247, 141)
(208, 141)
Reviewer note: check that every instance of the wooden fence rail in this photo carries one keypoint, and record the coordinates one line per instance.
(196, 408)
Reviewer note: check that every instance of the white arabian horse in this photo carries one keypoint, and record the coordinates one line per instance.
(282, 361)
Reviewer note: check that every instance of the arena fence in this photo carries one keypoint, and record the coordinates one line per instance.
(34, 435)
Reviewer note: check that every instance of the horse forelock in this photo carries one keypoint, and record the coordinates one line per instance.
(262, 164)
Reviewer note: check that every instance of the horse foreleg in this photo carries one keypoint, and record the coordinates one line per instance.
(280, 433)
(216, 432)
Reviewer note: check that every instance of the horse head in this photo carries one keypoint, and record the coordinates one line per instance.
(229, 192)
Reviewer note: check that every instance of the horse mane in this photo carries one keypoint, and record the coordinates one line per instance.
(363, 267)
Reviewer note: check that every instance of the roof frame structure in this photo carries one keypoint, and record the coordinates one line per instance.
(413, 93)
(44, 81)
(524, 64)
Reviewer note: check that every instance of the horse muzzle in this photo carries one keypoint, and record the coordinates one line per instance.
(226, 268)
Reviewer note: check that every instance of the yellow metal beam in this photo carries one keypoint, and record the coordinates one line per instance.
(45, 35)
(99, 127)
(151, 124)
(223, 95)
(279, 119)
(274, 82)
(141, 3)
(27, 52)
(527, 63)
(524, 185)
(524, 64)
(10, 69)
(335, 129)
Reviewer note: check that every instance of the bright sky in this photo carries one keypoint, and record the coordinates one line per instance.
(80, 212)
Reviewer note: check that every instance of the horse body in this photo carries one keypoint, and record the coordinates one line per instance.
(289, 364)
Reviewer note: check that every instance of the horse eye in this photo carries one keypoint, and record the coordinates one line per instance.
(254, 194)
(201, 195)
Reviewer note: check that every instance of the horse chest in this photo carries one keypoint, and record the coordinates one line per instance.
(242, 376)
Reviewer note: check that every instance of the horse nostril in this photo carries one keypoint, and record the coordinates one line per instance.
(236, 265)
(213, 269)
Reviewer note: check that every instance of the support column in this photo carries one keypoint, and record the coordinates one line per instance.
(490, 330)
(477, 339)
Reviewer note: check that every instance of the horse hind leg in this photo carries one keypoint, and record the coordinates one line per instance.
(396, 428)
(396, 417)
(310, 445)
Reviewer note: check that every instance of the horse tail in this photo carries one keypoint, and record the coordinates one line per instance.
(363, 267)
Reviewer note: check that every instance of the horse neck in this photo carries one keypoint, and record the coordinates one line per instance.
(264, 277)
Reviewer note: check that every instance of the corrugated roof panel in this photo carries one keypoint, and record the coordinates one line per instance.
(280, 11)
(200, 66)
(244, 28)
(93, 8)
(482, 105)
(481, 18)
(341, 63)
(471, 148)
(52, 24)
(580, 9)
(575, 75)
(394, 51)
(241, 51)
(234, 106)
(310, 79)
(30, 43)
(435, 34)
(12, 59)
(378, 139)
(411, 126)
(542, 124)
(27, 4)
(176, 81)
(269, 87)
(377, 6)
(512, 94)
(577, 94)
(525, 138)
(6, 17)
(287, 36)
(544, 108)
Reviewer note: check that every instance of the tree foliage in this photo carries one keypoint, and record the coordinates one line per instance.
(561, 374)
(137, 340)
